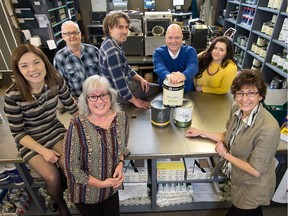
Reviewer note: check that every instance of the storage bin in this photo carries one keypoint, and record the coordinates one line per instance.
(278, 111)
(276, 103)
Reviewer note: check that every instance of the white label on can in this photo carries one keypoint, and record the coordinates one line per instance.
(183, 114)
(173, 98)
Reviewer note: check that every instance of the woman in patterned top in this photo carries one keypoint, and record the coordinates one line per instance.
(94, 150)
(30, 105)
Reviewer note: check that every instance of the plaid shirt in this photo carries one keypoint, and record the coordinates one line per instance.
(74, 70)
(114, 66)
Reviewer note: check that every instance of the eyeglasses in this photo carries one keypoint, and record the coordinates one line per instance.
(94, 98)
(69, 34)
(248, 94)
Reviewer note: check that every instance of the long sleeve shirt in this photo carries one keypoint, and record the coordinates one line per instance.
(256, 143)
(76, 70)
(37, 118)
(186, 62)
(114, 66)
(90, 150)
(220, 82)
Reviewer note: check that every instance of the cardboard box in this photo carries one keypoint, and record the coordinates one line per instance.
(135, 171)
(198, 168)
(170, 169)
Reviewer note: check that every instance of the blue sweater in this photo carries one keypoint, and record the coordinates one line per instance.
(186, 62)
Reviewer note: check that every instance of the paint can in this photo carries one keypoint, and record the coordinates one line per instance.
(173, 94)
(182, 116)
(160, 115)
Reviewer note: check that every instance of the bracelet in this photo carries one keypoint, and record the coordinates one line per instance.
(224, 154)
(121, 161)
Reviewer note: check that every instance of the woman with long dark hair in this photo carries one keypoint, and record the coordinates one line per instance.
(217, 68)
(30, 105)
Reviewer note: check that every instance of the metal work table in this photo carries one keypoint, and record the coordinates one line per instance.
(146, 141)
(210, 112)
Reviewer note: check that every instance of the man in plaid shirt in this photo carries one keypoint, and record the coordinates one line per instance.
(113, 63)
(76, 61)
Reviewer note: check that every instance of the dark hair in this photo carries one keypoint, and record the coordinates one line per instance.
(112, 19)
(51, 78)
(249, 78)
(206, 58)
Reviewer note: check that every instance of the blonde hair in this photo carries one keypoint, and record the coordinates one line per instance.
(90, 85)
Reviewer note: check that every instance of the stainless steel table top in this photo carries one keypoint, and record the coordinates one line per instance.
(210, 112)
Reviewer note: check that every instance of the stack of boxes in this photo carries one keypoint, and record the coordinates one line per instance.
(198, 168)
(135, 171)
(170, 169)
(135, 190)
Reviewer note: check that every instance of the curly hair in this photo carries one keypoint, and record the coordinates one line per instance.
(205, 58)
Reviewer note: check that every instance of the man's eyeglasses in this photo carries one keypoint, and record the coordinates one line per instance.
(248, 94)
(93, 98)
(69, 34)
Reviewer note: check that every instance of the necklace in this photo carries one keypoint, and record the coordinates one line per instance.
(42, 97)
(211, 74)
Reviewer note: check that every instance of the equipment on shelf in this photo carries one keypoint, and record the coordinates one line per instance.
(151, 20)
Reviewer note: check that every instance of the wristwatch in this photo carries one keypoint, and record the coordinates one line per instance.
(121, 161)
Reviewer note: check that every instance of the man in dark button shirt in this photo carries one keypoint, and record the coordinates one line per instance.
(131, 87)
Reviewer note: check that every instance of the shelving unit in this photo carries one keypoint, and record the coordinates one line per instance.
(263, 14)
(46, 17)
(219, 18)
(95, 34)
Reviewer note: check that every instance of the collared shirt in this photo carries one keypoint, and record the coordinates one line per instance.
(256, 143)
(172, 55)
(76, 70)
(114, 66)
(248, 121)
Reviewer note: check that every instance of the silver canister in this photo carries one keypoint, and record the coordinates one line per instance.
(182, 116)
(160, 115)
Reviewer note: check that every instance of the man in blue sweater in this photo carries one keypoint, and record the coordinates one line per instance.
(174, 61)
